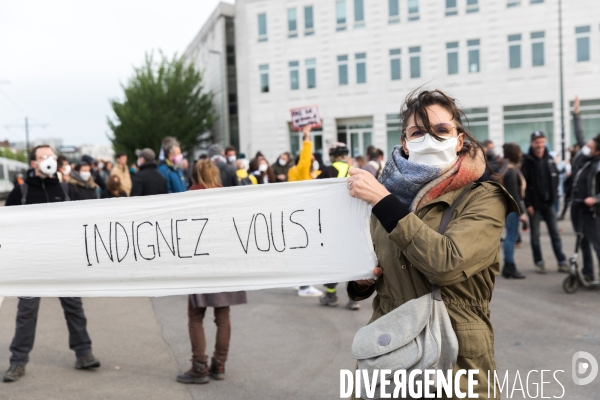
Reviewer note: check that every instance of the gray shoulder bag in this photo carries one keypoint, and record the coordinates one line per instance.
(416, 335)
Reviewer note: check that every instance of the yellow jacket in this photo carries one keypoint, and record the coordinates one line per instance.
(123, 173)
(241, 174)
(301, 172)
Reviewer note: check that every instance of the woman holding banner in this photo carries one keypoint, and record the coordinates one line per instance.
(206, 175)
(437, 162)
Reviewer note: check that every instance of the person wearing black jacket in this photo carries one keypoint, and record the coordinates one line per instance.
(82, 185)
(98, 179)
(228, 173)
(585, 195)
(513, 181)
(541, 175)
(42, 186)
(148, 181)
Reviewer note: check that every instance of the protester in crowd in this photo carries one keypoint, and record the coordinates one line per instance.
(231, 155)
(585, 194)
(113, 188)
(261, 169)
(281, 167)
(541, 176)
(42, 186)
(437, 162)
(513, 181)
(375, 162)
(338, 153)
(170, 167)
(64, 169)
(105, 170)
(568, 182)
(303, 171)
(244, 178)
(148, 181)
(359, 162)
(133, 169)
(81, 183)
(206, 175)
(122, 172)
(228, 173)
(89, 160)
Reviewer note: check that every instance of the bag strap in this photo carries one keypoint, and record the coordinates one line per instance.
(446, 218)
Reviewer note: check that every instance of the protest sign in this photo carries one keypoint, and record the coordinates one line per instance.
(251, 237)
(303, 116)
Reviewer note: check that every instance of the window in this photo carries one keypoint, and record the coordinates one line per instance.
(472, 6)
(451, 8)
(294, 75)
(358, 136)
(292, 23)
(393, 125)
(296, 139)
(452, 57)
(474, 65)
(394, 11)
(359, 14)
(361, 67)
(514, 51)
(309, 25)
(583, 43)
(477, 123)
(415, 61)
(340, 14)
(311, 73)
(264, 78)
(395, 64)
(342, 70)
(537, 49)
(535, 1)
(521, 120)
(590, 119)
(413, 10)
(513, 3)
(262, 27)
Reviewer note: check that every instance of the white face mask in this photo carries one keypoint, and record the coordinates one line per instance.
(263, 167)
(85, 175)
(231, 159)
(67, 169)
(586, 151)
(282, 162)
(431, 151)
(48, 166)
(315, 165)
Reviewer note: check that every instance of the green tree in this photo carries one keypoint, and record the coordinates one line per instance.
(163, 98)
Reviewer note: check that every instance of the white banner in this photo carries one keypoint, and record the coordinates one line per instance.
(251, 237)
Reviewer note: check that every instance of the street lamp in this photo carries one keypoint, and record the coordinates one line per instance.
(562, 85)
(224, 137)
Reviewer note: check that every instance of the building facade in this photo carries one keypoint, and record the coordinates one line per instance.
(357, 60)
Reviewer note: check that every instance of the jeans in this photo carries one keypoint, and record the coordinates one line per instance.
(584, 221)
(512, 235)
(546, 212)
(79, 340)
(198, 338)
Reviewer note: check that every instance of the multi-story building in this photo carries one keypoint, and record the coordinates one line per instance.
(357, 60)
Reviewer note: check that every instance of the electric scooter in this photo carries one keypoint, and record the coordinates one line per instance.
(575, 279)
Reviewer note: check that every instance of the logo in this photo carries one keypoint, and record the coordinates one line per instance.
(584, 363)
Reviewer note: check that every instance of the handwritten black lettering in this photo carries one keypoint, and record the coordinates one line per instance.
(133, 241)
(306, 233)
(256, 236)
(97, 234)
(282, 234)
(138, 242)
(238, 233)
(119, 259)
(178, 238)
(86, 246)
(172, 247)
(200, 236)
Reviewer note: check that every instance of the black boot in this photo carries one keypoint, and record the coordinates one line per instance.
(197, 374)
(510, 271)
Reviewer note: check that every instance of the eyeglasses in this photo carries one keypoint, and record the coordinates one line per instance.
(416, 133)
(42, 158)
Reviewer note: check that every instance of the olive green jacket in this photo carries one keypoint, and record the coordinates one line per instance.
(464, 262)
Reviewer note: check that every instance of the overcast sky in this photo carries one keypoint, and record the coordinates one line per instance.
(65, 59)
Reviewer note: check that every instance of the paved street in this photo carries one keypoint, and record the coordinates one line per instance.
(285, 347)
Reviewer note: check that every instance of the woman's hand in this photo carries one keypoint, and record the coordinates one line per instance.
(364, 186)
(365, 283)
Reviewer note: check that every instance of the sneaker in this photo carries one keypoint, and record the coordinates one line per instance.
(540, 268)
(352, 305)
(217, 370)
(563, 267)
(329, 299)
(197, 374)
(86, 362)
(310, 291)
(14, 372)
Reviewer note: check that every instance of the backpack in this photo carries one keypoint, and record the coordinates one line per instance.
(24, 189)
(499, 177)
